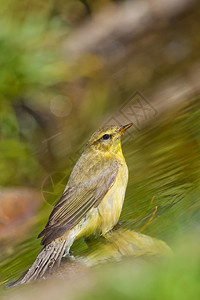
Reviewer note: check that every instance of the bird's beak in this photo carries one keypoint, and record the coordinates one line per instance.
(123, 129)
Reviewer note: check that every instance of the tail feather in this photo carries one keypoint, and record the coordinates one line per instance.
(50, 257)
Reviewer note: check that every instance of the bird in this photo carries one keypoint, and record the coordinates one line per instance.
(91, 203)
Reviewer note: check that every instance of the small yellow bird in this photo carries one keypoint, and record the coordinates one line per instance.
(91, 203)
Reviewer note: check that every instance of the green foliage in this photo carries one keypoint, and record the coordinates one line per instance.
(28, 58)
(17, 166)
(8, 122)
(29, 61)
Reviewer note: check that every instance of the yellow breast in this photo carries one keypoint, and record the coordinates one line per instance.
(111, 206)
(103, 218)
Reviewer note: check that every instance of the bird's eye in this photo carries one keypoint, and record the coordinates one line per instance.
(106, 136)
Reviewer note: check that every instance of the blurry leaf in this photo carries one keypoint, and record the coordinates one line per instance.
(16, 164)
(8, 122)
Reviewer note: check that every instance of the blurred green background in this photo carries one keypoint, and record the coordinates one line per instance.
(67, 68)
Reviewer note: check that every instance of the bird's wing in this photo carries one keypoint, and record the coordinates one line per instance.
(76, 202)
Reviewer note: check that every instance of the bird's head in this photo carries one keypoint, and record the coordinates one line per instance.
(108, 139)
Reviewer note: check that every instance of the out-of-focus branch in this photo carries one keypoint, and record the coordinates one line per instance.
(117, 25)
(177, 91)
(120, 34)
(174, 93)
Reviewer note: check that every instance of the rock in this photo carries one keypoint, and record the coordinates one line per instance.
(17, 207)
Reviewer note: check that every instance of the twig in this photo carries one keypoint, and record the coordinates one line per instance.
(150, 220)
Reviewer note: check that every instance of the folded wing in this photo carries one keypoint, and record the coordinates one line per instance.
(76, 202)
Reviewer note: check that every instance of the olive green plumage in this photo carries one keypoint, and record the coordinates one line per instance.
(91, 203)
